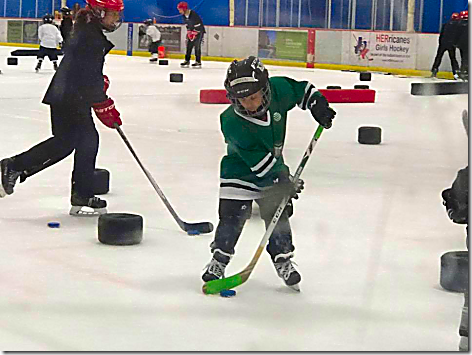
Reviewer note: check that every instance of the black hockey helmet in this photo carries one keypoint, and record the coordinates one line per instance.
(148, 21)
(244, 78)
(65, 11)
(48, 18)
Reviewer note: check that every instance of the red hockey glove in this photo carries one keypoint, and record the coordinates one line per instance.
(107, 113)
(106, 84)
(191, 35)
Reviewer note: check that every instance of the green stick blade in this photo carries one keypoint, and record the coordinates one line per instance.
(216, 286)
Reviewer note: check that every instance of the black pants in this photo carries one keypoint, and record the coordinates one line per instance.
(50, 52)
(234, 214)
(73, 129)
(452, 56)
(197, 43)
(464, 51)
(153, 46)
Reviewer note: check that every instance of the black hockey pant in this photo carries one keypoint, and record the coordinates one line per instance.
(197, 43)
(50, 52)
(73, 129)
(452, 56)
(464, 51)
(154, 46)
(233, 215)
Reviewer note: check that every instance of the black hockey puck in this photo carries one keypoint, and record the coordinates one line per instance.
(361, 86)
(101, 181)
(120, 229)
(333, 87)
(455, 271)
(365, 76)
(176, 77)
(12, 61)
(163, 62)
(369, 135)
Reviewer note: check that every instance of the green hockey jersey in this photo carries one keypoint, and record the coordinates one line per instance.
(254, 147)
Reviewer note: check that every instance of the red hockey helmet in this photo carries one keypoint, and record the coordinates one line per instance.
(115, 5)
(182, 6)
(100, 8)
(464, 14)
(455, 16)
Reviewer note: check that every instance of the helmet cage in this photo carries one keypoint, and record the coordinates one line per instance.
(245, 78)
(260, 111)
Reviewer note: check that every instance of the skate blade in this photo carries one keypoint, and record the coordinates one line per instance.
(295, 287)
(83, 211)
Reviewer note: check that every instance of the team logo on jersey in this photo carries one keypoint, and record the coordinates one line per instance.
(277, 117)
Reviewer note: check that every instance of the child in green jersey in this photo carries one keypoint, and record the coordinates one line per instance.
(253, 168)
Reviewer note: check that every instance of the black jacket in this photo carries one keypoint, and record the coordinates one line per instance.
(66, 28)
(449, 33)
(194, 22)
(462, 39)
(79, 79)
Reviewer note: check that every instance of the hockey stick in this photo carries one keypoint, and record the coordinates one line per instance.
(216, 286)
(190, 228)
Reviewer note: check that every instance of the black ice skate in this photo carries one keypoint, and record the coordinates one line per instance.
(287, 272)
(216, 268)
(87, 206)
(434, 72)
(9, 177)
(184, 64)
(54, 63)
(197, 65)
(38, 66)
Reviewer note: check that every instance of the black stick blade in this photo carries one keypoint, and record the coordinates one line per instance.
(198, 228)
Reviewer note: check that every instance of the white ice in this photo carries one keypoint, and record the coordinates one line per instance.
(369, 228)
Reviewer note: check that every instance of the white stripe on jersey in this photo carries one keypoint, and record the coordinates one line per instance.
(266, 170)
(262, 162)
(310, 90)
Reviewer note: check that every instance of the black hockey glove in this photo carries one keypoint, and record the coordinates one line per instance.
(284, 186)
(322, 113)
(458, 212)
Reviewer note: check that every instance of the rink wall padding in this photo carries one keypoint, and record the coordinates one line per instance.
(400, 53)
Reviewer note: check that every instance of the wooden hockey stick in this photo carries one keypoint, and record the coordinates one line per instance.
(216, 286)
(190, 228)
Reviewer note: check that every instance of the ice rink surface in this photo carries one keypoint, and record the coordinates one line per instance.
(369, 228)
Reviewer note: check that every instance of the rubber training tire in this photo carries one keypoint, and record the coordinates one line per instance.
(120, 229)
(176, 77)
(101, 181)
(333, 87)
(365, 76)
(361, 86)
(369, 135)
(455, 271)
